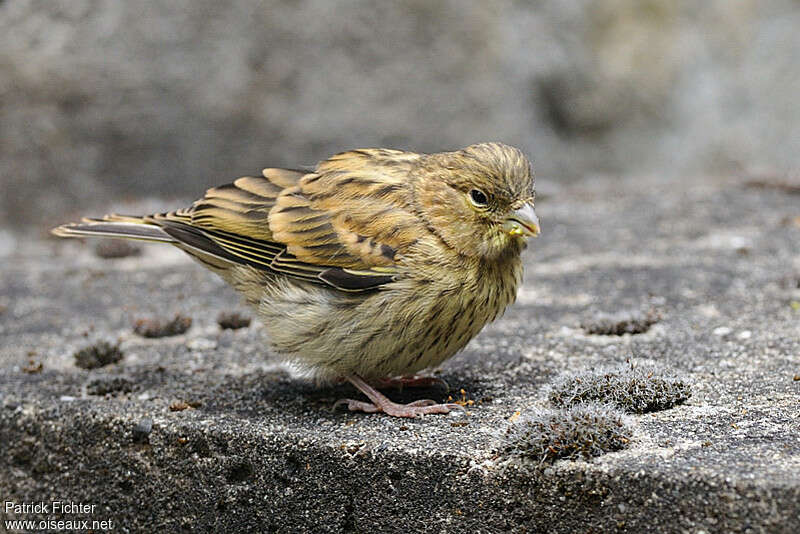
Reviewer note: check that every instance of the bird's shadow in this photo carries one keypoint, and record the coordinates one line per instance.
(258, 393)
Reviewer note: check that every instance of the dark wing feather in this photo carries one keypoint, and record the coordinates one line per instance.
(350, 281)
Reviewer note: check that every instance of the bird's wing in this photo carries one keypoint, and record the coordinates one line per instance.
(341, 225)
(239, 208)
(354, 211)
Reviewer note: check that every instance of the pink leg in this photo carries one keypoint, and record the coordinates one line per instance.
(412, 381)
(380, 403)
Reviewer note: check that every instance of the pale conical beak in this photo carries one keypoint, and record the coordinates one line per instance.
(522, 222)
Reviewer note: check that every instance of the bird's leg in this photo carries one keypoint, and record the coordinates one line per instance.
(412, 381)
(380, 403)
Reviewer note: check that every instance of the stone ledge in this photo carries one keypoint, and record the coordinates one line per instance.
(247, 447)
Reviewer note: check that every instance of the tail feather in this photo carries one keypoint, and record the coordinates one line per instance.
(146, 229)
(116, 217)
(120, 226)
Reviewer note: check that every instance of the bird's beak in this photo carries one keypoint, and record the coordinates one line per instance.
(522, 222)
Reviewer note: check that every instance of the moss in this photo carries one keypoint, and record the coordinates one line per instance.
(618, 324)
(632, 389)
(232, 320)
(582, 431)
(116, 248)
(97, 355)
(161, 327)
(109, 386)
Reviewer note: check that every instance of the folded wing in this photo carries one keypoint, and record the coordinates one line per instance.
(342, 225)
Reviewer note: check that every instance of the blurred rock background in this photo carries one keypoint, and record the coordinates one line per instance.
(104, 100)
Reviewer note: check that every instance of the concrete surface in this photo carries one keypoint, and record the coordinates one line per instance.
(203, 432)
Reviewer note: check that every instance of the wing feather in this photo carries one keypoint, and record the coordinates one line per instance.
(366, 198)
(323, 226)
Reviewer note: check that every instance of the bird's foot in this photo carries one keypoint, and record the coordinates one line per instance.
(412, 381)
(381, 403)
(412, 409)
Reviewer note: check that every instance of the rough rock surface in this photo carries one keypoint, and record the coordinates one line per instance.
(203, 432)
(104, 100)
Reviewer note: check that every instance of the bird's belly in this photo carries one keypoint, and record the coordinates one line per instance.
(384, 333)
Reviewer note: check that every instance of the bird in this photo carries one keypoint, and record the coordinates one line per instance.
(370, 267)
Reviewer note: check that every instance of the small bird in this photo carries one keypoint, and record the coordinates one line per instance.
(377, 264)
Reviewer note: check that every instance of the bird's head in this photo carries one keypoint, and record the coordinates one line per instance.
(478, 200)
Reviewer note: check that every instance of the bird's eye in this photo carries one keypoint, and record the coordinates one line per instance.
(478, 198)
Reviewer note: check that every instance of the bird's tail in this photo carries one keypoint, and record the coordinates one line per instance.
(120, 226)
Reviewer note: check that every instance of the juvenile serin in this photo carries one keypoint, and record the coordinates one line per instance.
(377, 263)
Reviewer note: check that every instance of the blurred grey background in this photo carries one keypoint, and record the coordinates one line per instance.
(109, 100)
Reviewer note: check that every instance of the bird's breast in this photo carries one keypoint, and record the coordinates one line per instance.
(446, 313)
